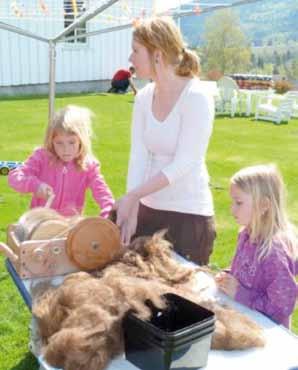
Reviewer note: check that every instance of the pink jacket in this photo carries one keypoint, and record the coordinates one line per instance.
(69, 183)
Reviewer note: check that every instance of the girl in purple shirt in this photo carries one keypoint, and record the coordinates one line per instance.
(64, 168)
(262, 274)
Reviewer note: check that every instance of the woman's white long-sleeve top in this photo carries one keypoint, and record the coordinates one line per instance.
(176, 146)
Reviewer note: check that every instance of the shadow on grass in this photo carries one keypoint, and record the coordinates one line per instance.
(228, 115)
(26, 363)
(46, 97)
(269, 122)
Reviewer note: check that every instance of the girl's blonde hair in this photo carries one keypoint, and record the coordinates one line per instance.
(269, 218)
(161, 33)
(73, 120)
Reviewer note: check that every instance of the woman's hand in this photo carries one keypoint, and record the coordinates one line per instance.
(44, 191)
(127, 209)
(227, 283)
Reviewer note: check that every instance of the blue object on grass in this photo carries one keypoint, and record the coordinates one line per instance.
(6, 166)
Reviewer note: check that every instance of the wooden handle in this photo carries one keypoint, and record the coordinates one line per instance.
(50, 201)
(8, 252)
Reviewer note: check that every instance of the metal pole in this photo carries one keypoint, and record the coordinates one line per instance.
(95, 33)
(175, 15)
(91, 13)
(179, 19)
(22, 32)
(52, 72)
(215, 7)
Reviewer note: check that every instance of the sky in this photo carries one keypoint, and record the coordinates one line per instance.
(162, 5)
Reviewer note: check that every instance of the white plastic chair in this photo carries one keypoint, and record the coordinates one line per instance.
(294, 96)
(227, 101)
(268, 111)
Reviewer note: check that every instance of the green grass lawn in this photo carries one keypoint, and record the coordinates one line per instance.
(235, 143)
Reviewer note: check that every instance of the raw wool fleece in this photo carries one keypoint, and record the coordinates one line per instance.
(33, 219)
(80, 321)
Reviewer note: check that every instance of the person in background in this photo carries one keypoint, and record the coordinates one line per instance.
(167, 183)
(262, 274)
(121, 80)
(64, 168)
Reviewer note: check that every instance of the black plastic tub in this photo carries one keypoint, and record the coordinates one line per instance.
(178, 337)
(172, 343)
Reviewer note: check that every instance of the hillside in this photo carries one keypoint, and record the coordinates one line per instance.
(264, 22)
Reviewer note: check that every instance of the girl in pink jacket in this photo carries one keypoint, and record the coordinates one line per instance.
(64, 167)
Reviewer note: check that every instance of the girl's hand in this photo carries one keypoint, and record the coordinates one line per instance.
(44, 191)
(127, 214)
(227, 283)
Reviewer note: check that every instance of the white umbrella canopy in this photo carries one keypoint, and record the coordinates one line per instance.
(118, 11)
(109, 15)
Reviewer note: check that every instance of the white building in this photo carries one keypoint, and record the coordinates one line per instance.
(81, 65)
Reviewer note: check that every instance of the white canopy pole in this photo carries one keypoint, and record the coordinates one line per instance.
(175, 15)
(52, 50)
(95, 33)
(214, 7)
(52, 79)
(22, 32)
(91, 13)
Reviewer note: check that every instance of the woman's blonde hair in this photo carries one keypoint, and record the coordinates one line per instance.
(72, 120)
(269, 218)
(161, 33)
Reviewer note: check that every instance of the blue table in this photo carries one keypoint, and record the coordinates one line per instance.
(280, 352)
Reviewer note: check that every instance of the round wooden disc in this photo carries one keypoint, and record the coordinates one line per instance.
(93, 243)
(49, 229)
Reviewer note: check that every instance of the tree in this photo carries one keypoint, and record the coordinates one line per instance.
(268, 68)
(294, 69)
(275, 70)
(226, 47)
(260, 63)
(253, 59)
(277, 58)
(289, 55)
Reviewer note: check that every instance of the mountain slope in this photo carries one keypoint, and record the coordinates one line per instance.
(263, 22)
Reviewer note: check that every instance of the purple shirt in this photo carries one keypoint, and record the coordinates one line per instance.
(268, 285)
